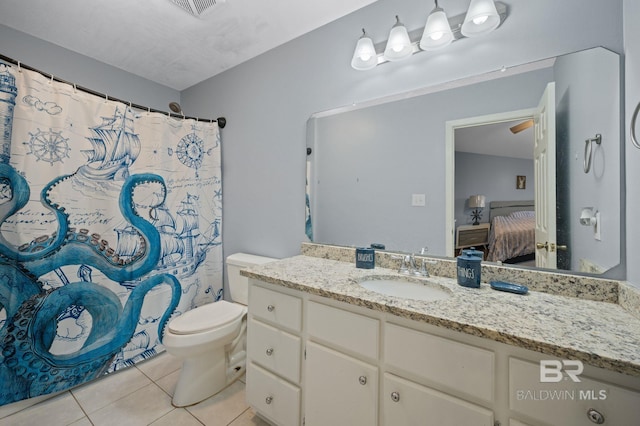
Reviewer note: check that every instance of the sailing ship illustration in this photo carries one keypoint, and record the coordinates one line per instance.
(115, 147)
(183, 246)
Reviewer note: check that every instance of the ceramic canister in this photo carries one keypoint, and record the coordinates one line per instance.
(468, 270)
(365, 258)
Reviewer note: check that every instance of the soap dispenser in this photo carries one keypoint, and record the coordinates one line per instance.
(469, 268)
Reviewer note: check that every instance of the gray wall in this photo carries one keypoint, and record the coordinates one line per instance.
(268, 100)
(632, 154)
(368, 162)
(587, 88)
(492, 176)
(84, 71)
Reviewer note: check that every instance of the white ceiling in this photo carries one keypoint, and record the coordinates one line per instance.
(496, 139)
(158, 40)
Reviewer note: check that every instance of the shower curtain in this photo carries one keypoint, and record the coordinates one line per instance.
(110, 222)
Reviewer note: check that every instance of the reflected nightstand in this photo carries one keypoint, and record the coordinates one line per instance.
(472, 236)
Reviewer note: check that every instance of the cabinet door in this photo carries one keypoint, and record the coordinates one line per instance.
(340, 390)
(408, 403)
(567, 402)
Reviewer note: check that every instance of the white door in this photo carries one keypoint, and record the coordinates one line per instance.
(544, 158)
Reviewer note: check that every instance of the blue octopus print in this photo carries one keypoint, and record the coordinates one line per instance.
(96, 259)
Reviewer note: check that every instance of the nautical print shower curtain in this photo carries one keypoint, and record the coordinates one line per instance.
(110, 222)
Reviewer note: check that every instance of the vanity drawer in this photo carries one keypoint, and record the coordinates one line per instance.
(274, 349)
(273, 397)
(567, 402)
(343, 329)
(465, 369)
(278, 308)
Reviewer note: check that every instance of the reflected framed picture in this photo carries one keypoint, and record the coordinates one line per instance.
(521, 182)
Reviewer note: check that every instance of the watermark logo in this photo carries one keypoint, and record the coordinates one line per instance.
(553, 371)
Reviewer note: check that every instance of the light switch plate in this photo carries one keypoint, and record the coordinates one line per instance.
(418, 200)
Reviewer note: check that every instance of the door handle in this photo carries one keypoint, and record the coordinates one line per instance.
(551, 247)
(541, 246)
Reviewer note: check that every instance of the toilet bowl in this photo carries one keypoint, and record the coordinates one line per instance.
(199, 337)
(210, 339)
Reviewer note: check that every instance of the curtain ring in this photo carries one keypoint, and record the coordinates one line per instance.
(51, 81)
(106, 98)
(19, 69)
(75, 89)
(148, 110)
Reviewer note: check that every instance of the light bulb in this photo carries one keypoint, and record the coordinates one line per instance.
(482, 17)
(480, 20)
(437, 31)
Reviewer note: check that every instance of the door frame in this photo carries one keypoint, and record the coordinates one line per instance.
(450, 128)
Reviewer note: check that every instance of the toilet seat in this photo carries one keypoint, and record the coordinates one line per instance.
(206, 317)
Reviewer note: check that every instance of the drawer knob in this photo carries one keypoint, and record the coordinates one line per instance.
(395, 396)
(270, 308)
(269, 351)
(595, 416)
(268, 400)
(362, 380)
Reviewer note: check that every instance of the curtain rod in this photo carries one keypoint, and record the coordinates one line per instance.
(222, 122)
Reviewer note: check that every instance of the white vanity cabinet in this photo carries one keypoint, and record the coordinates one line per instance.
(460, 370)
(406, 403)
(341, 373)
(568, 402)
(315, 361)
(274, 355)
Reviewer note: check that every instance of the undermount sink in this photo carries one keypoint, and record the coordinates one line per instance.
(406, 288)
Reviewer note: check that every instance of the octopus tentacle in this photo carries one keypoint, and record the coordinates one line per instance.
(28, 337)
(84, 252)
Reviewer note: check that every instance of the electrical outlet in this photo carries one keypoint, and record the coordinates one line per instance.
(418, 200)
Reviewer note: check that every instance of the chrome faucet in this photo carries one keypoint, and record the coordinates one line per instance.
(408, 265)
(423, 268)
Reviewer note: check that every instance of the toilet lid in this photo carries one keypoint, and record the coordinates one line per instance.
(206, 317)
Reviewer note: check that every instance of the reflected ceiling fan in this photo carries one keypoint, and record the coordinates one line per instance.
(521, 126)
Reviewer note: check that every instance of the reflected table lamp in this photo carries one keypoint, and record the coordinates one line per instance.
(476, 202)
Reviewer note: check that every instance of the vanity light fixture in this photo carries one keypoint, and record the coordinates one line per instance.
(364, 57)
(437, 32)
(398, 45)
(482, 17)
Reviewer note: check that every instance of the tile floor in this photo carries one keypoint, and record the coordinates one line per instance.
(140, 395)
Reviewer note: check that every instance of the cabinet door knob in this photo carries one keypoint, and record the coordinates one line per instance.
(268, 399)
(595, 416)
(270, 308)
(395, 396)
(362, 380)
(269, 351)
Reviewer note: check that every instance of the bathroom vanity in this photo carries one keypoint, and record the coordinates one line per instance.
(322, 349)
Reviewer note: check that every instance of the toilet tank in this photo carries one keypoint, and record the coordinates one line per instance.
(239, 285)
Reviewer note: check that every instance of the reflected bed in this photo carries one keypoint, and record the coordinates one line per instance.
(512, 234)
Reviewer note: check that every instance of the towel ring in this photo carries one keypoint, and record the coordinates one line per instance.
(634, 139)
(586, 164)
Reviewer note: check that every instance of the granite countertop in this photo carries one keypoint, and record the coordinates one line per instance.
(601, 334)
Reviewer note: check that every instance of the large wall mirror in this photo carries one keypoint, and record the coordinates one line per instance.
(403, 171)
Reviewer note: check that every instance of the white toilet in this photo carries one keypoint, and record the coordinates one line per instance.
(211, 339)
